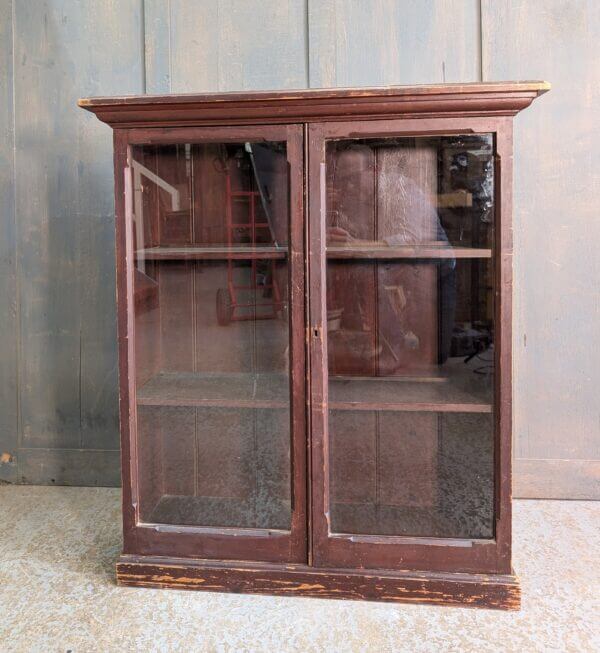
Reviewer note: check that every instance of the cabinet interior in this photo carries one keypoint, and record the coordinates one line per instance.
(410, 306)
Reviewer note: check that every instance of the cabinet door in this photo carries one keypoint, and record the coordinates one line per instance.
(213, 377)
(407, 356)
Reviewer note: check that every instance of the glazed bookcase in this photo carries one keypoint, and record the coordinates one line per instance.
(314, 323)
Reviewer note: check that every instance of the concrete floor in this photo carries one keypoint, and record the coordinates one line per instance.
(57, 593)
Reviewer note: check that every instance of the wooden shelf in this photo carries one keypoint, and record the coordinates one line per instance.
(253, 512)
(217, 390)
(373, 251)
(458, 390)
(380, 250)
(218, 252)
(444, 395)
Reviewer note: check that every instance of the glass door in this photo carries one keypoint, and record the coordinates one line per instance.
(404, 346)
(216, 271)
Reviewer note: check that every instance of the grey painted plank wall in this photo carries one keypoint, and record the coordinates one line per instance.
(65, 233)
(8, 276)
(58, 402)
(357, 43)
(227, 45)
(157, 46)
(556, 236)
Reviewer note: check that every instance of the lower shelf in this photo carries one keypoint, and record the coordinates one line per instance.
(470, 590)
(458, 390)
(259, 512)
(452, 519)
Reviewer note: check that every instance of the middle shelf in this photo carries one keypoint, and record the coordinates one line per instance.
(452, 390)
(219, 252)
(358, 250)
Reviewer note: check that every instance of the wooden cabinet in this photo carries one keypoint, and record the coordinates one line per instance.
(314, 300)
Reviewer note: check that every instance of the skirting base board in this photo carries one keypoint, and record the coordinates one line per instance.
(475, 590)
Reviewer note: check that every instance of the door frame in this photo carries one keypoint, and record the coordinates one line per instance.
(399, 552)
(265, 545)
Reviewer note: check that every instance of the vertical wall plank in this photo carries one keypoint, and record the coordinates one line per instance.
(357, 43)
(64, 204)
(8, 279)
(157, 46)
(322, 37)
(557, 231)
(226, 45)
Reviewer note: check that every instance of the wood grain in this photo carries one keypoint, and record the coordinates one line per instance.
(276, 107)
(469, 590)
(240, 252)
(378, 250)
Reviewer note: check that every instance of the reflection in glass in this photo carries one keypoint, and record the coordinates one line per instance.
(410, 335)
(210, 231)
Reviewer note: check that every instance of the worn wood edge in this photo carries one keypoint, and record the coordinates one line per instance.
(492, 591)
(281, 107)
(537, 86)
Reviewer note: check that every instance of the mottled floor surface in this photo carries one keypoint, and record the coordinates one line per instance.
(58, 545)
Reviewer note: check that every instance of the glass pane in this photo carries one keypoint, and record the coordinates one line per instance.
(210, 232)
(410, 335)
